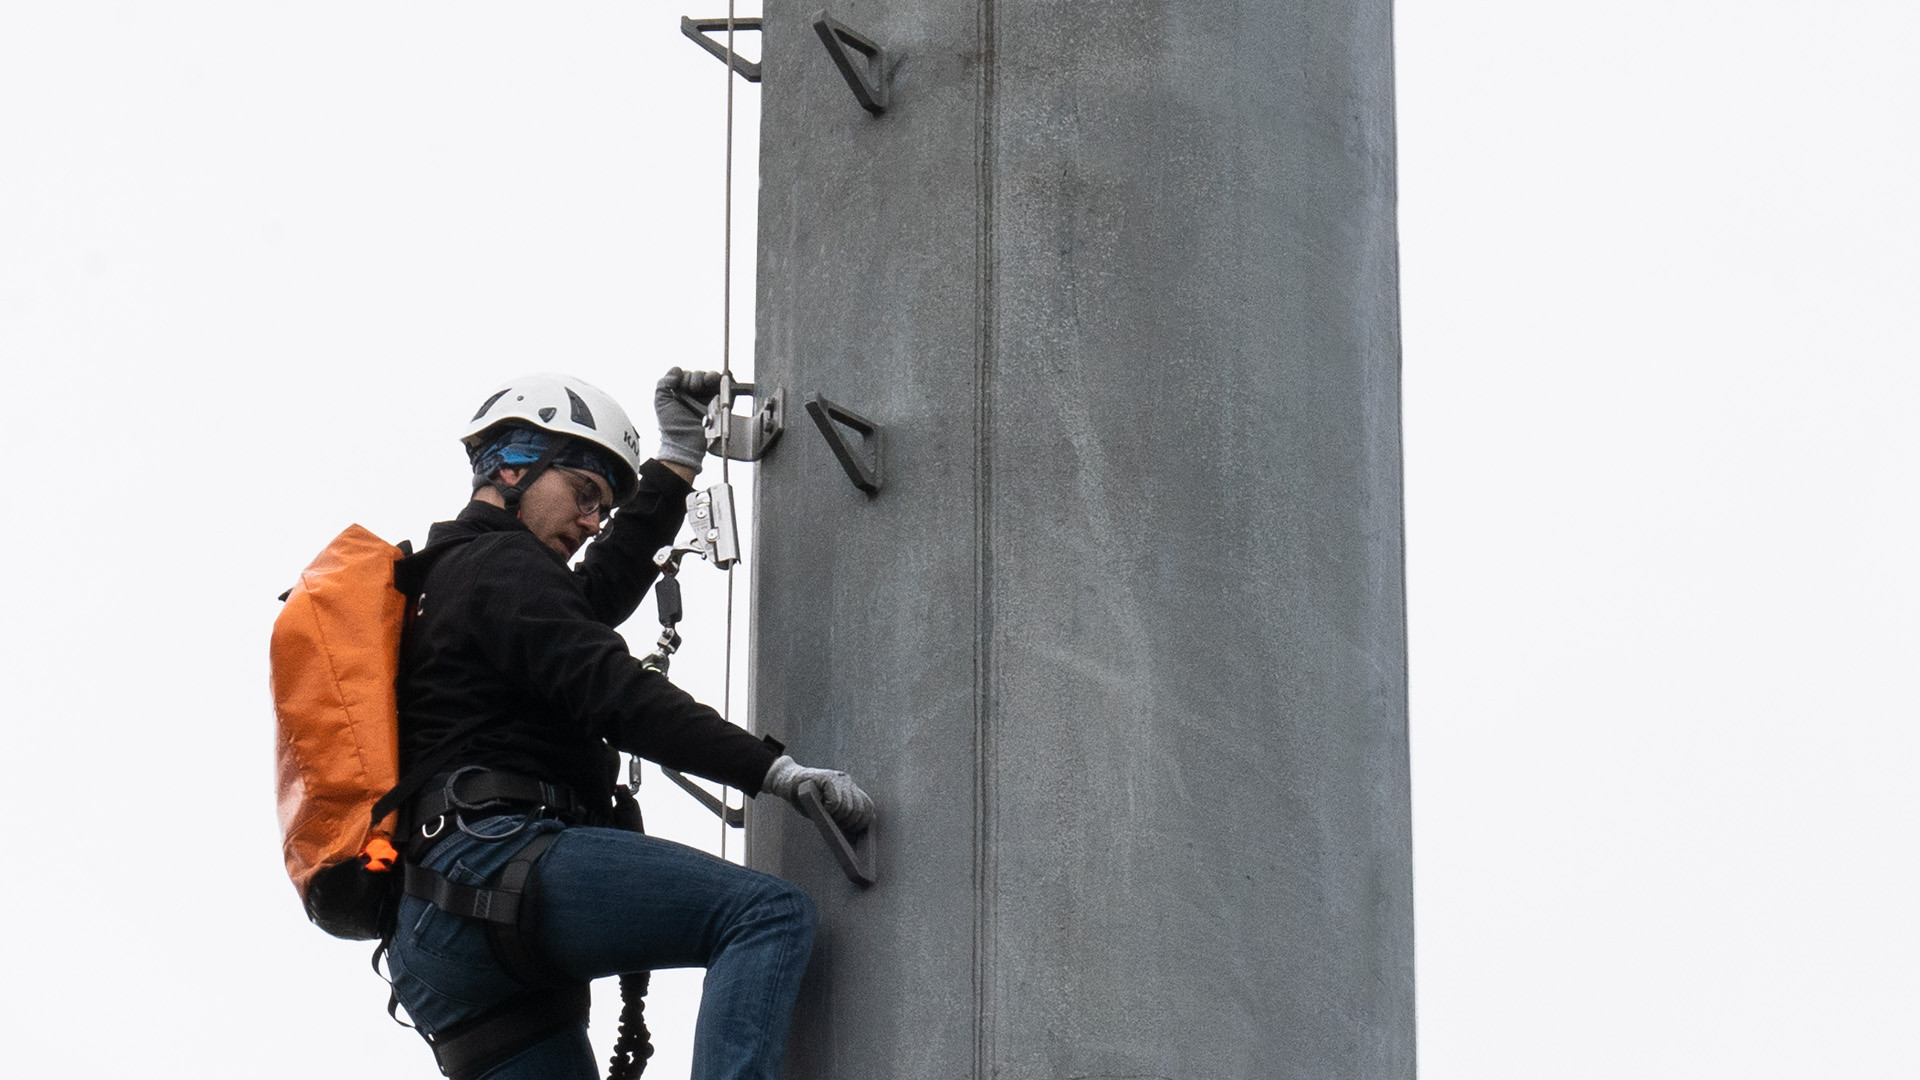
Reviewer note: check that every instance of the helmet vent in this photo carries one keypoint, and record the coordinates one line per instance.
(488, 404)
(581, 414)
(546, 414)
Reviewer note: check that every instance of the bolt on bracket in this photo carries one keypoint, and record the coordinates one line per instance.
(829, 418)
(746, 438)
(734, 816)
(867, 75)
(698, 29)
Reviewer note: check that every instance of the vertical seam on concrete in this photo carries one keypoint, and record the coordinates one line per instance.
(983, 735)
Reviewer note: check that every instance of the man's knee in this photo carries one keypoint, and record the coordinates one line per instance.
(790, 906)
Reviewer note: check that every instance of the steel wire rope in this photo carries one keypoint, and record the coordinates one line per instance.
(726, 385)
(634, 1046)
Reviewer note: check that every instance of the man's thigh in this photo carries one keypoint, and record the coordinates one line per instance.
(613, 901)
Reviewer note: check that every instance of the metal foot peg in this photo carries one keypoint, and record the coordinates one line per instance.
(856, 863)
(862, 469)
(734, 816)
(862, 62)
(698, 29)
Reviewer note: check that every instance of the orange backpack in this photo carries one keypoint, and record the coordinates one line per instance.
(335, 658)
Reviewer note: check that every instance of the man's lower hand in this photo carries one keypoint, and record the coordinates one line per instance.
(851, 808)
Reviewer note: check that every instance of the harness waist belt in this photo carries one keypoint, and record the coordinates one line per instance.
(485, 788)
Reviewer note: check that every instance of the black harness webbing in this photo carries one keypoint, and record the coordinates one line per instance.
(480, 789)
(466, 1051)
(471, 901)
(513, 941)
(507, 909)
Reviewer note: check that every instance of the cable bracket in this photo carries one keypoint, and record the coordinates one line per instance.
(743, 438)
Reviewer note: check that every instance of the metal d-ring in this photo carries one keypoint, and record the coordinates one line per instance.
(439, 826)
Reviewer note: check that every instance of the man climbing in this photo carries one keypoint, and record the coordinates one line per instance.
(515, 693)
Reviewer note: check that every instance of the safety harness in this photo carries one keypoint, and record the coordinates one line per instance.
(509, 910)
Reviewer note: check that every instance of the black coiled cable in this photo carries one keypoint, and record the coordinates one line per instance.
(634, 1045)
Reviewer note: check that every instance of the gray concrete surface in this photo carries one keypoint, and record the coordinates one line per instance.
(1119, 646)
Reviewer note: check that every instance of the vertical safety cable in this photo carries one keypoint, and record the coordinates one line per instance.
(986, 864)
(726, 371)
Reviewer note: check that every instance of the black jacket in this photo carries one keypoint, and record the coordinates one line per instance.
(506, 630)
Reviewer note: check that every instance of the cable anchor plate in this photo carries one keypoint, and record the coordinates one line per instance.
(743, 438)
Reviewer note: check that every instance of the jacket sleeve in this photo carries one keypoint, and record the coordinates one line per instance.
(618, 567)
(540, 629)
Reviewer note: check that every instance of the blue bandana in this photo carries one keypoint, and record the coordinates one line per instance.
(519, 447)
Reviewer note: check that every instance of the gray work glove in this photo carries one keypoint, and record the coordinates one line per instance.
(679, 401)
(850, 806)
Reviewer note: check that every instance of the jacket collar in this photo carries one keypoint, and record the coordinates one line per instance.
(476, 519)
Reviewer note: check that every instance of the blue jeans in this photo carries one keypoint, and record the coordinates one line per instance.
(612, 901)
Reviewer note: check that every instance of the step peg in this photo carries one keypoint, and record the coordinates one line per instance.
(698, 29)
(861, 60)
(855, 861)
(734, 816)
(862, 466)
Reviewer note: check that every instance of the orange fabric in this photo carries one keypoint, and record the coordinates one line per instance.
(379, 854)
(335, 656)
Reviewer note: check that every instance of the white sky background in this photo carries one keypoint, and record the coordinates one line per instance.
(259, 260)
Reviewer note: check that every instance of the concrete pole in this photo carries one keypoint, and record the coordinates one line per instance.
(1119, 645)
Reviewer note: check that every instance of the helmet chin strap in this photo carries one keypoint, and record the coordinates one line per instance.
(511, 493)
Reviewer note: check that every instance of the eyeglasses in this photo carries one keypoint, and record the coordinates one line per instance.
(586, 493)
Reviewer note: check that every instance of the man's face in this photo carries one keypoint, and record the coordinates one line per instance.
(562, 508)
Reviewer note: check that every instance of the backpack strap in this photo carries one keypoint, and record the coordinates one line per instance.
(411, 569)
(427, 768)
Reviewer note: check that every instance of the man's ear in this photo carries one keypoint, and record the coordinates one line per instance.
(511, 475)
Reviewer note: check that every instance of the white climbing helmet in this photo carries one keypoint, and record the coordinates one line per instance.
(567, 406)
